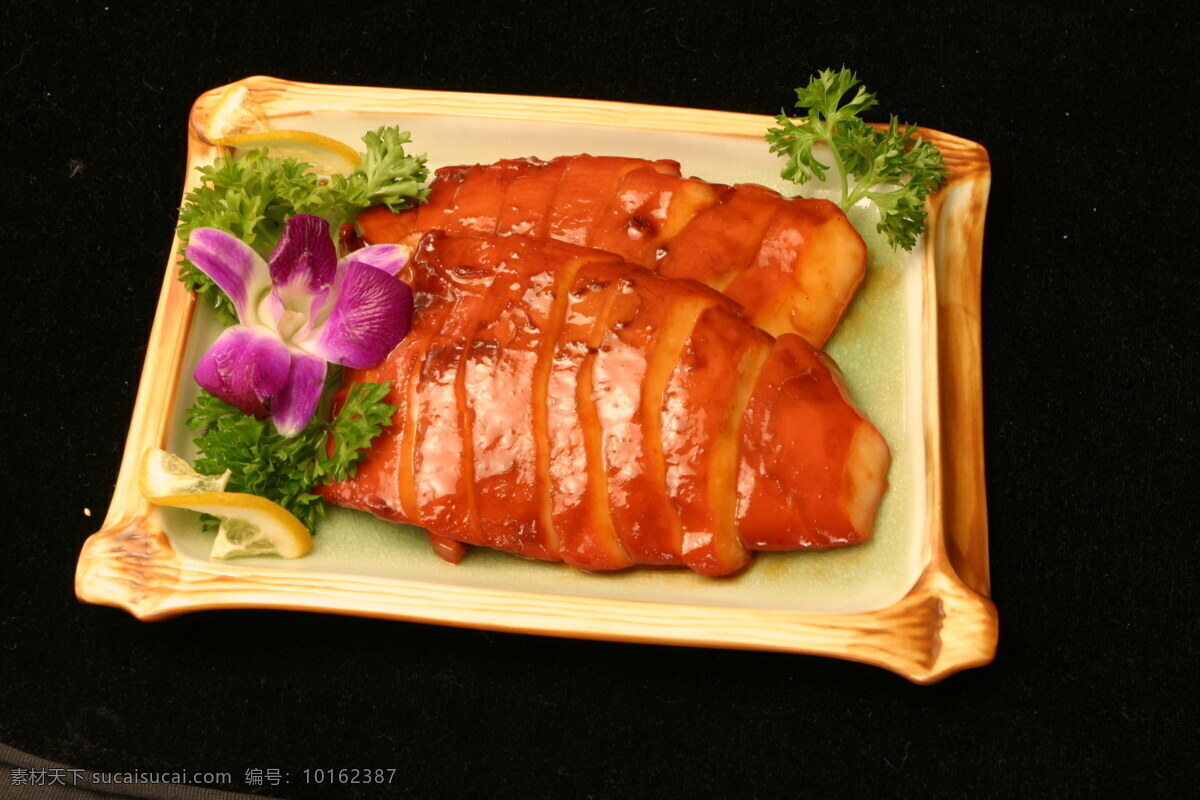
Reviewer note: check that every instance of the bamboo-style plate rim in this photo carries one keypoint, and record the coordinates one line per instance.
(945, 623)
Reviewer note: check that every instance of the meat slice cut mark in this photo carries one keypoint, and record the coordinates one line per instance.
(794, 264)
(558, 403)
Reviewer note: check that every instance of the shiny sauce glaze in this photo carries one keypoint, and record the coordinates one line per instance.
(792, 263)
(480, 198)
(440, 208)
(646, 329)
(526, 205)
(442, 459)
(798, 275)
(725, 239)
(649, 209)
(703, 406)
(578, 486)
(498, 391)
(557, 403)
(801, 430)
(583, 193)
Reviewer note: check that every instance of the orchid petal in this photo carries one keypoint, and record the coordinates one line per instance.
(233, 266)
(304, 264)
(390, 258)
(294, 405)
(369, 315)
(245, 367)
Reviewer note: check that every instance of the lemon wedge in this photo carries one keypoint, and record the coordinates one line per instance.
(327, 156)
(235, 112)
(165, 474)
(250, 525)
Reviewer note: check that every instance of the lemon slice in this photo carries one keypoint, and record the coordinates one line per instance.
(327, 156)
(250, 525)
(235, 112)
(165, 474)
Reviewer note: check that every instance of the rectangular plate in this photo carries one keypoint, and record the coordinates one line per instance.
(913, 599)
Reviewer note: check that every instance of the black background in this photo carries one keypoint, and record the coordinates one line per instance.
(1089, 301)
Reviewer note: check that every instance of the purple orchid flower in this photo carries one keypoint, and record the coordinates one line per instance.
(299, 311)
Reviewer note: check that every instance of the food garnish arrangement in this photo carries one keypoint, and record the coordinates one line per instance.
(580, 358)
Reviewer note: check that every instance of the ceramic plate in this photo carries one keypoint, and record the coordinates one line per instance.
(914, 599)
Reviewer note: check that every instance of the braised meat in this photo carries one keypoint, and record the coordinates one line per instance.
(557, 402)
(792, 264)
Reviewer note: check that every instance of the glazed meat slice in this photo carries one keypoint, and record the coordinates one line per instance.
(583, 193)
(793, 263)
(525, 209)
(440, 209)
(479, 200)
(556, 402)
(804, 272)
(579, 489)
(799, 423)
(725, 240)
(505, 395)
(649, 209)
(703, 409)
(645, 335)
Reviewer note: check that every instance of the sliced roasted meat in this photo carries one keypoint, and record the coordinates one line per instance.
(556, 402)
(793, 264)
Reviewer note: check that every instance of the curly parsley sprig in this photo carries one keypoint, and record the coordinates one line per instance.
(385, 176)
(876, 159)
(253, 195)
(287, 470)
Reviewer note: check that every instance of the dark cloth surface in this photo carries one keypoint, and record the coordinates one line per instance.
(1089, 303)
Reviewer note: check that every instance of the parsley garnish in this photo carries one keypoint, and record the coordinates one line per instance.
(287, 470)
(252, 196)
(386, 175)
(873, 158)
